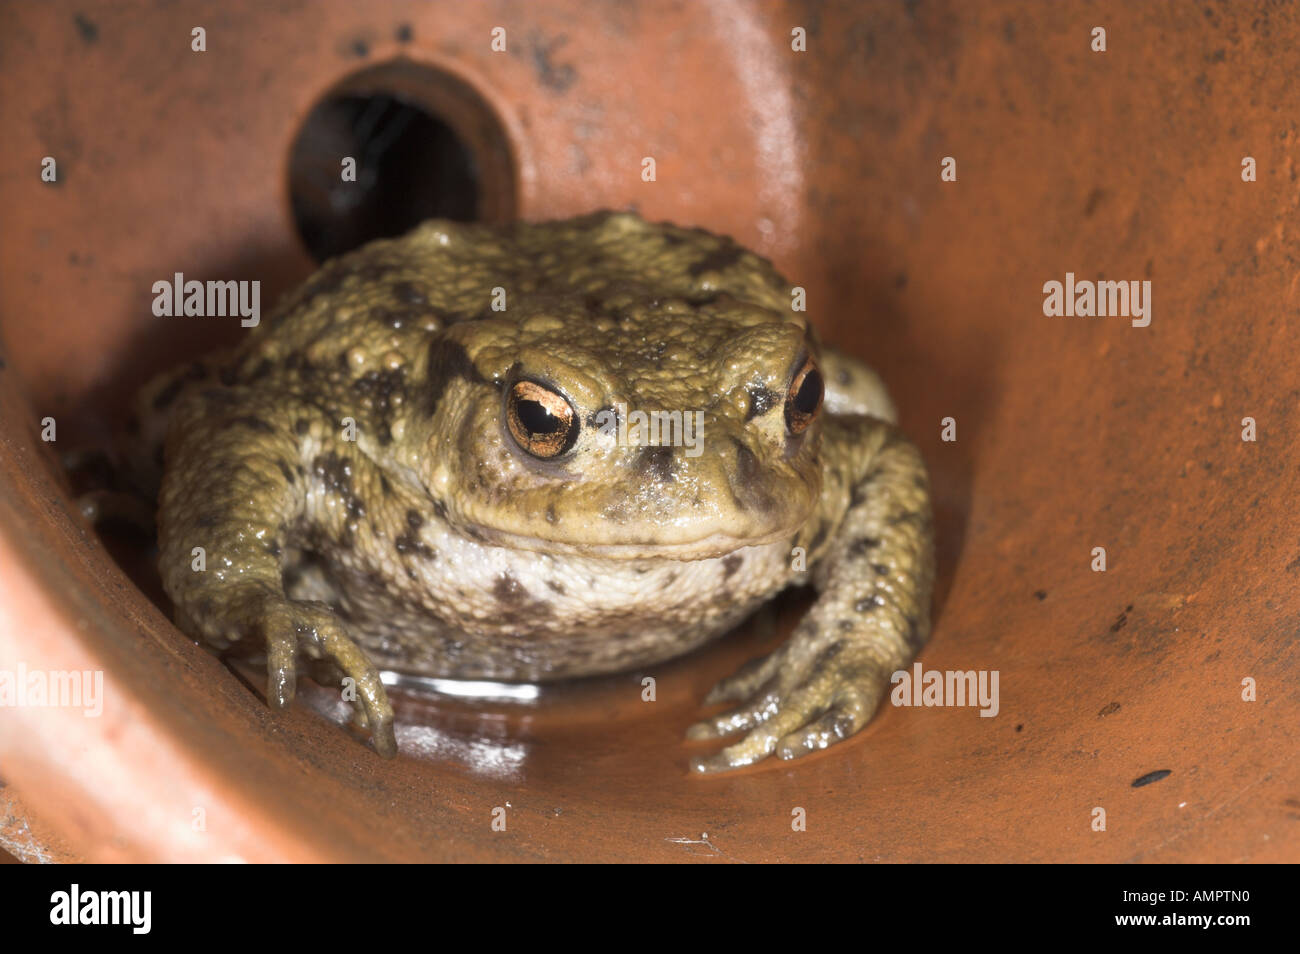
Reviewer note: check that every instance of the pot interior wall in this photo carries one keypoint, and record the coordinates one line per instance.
(1072, 433)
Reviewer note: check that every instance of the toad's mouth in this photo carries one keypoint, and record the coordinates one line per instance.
(710, 547)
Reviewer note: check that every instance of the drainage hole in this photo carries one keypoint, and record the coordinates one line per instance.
(410, 166)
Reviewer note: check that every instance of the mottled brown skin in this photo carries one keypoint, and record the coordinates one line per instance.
(363, 502)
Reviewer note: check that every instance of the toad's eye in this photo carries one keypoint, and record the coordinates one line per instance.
(804, 399)
(541, 420)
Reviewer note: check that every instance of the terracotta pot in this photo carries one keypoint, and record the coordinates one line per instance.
(1072, 433)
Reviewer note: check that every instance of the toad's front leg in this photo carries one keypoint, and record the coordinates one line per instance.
(236, 481)
(871, 617)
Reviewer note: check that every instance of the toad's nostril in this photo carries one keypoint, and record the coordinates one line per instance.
(748, 469)
(656, 463)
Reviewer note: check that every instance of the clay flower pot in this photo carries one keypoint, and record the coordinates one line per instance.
(1072, 433)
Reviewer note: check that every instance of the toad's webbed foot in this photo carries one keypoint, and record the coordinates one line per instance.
(293, 627)
(815, 694)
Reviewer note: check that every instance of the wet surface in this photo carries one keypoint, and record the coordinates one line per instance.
(1071, 433)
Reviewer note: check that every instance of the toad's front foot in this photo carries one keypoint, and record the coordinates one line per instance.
(290, 627)
(807, 695)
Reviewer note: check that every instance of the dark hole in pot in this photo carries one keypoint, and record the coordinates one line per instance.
(409, 166)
